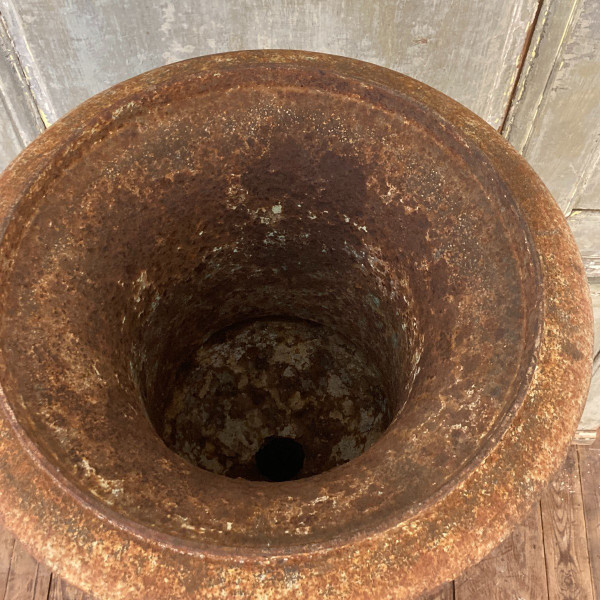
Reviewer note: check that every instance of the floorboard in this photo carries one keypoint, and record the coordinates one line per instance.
(27, 580)
(61, 590)
(565, 540)
(514, 570)
(7, 544)
(589, 468)
(444, 592)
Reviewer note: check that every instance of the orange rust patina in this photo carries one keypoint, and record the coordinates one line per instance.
(238, 252)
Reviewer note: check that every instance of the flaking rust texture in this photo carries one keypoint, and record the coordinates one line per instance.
(280, 243)
(275, 377)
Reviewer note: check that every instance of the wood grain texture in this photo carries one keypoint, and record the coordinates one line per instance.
(585, 437)
(591, 197)
(555, 117)
(551, 28)
(444, 592)
(7, 544)
(585, 225)
(595, 295)
(75, 48)
(61, 590)
(590, 420)
(589, 467)
(43, 581)
(565, 544)
(19, 121)
(516, 569)
(591, 414)
(27, 580)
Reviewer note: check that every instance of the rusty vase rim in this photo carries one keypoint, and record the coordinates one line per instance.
(556, 382)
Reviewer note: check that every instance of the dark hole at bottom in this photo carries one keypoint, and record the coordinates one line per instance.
(279, 458)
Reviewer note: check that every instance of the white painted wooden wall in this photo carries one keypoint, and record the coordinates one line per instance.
(531, 68)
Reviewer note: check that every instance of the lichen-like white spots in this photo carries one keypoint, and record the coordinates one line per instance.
(374, 300)
(346, 449)
(183, 523)
(113, 486)
(335, 387)
(155, 302)
(276, 209)
(141, 285)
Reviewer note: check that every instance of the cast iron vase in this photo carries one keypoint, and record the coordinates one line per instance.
(277, 324)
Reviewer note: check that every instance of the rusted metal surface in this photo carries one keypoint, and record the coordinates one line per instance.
(173, 245)
(275, 377)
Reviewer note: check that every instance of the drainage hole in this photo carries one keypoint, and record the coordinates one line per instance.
(279, 458)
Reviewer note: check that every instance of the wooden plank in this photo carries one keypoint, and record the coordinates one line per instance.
(595, 294)
(61, 590)
(516, 569)
(555, 117)
(26, 580)
(42, 584)
(585, 225)
(590, 420)
(589, 467)
(551, 30)
(19, 121)
(585, 437)
(468, 49)
(444, 592)
(567, 559)
(591, 198)
(7, 544)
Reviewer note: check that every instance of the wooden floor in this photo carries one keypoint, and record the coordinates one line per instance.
(554, 555)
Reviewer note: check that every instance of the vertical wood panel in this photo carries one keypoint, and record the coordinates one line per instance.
(565, 543)
(591, 196)
(516, 569)
(19, 121)
(595, 294)
(591, 414)
(585, 226)
(555, 117)
(552, 28)
(468, 49)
